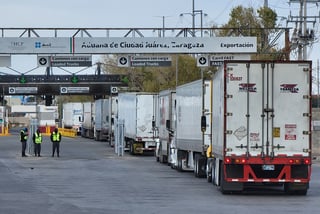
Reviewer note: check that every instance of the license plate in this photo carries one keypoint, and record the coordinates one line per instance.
(268, 167)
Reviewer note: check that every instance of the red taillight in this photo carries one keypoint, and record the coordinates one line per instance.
(243, 160)
(299, 161)
(307, 161)
(227, 160)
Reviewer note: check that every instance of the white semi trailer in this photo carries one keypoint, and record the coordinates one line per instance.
(261, 132)
(138, 111)
(193, 127)
(72, 116)
(87, 129)
(113, 113)
(101, 125)
(165, 124)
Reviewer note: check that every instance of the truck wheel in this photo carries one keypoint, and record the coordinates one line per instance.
(202, 162)
(208, 171)
(179, 167)
(160, 156)
(180, 156)
(132, 152)
(196, 165)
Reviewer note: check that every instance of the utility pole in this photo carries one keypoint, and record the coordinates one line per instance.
(302, 36)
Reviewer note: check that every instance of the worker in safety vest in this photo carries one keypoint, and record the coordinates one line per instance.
(23, 140)
(55, 139)
(37, 140)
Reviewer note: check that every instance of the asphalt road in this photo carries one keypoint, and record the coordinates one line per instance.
(90, 178)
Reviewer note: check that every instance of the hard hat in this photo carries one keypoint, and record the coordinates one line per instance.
(25, 129)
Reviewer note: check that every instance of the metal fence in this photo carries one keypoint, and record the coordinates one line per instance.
(119, 137)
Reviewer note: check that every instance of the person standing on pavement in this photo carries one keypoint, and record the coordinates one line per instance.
(23, 140)
(37, 140)
(55, 139)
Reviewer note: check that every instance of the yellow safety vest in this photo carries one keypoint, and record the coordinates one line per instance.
(25, 136)
(56, 137)
(38, 138)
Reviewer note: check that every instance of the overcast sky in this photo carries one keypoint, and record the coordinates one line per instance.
(120, 13)
(128, 13)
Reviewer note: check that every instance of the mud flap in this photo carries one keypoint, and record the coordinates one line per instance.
(296, 188)
(228, 187)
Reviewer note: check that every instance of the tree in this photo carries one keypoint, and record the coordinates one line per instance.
(248, 22)
(155, 79)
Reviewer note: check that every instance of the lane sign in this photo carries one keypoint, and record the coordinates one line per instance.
(114, 90)
(43, 61)
(150, 61)
(71, 61)
(74, 90)
(123, 61)
(218, 59)
(23, 90)
(202, 61)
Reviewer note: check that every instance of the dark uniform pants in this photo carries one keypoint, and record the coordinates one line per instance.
(23, 149)
(37, 149)
(55, 146)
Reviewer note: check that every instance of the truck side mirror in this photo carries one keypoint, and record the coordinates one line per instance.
(153, 123)
(203, 123)
(168, 124)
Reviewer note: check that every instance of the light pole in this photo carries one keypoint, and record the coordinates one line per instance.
(163, 24)
(193, 14)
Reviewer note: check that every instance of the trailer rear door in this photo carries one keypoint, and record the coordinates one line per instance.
(267, 109)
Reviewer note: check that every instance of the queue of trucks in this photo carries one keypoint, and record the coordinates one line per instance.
(248, 125)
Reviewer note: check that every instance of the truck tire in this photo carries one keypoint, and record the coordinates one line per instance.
(196, 165)
(180, 155)
(209, 170)
(132, 152)
(160, 154)
(202, 161)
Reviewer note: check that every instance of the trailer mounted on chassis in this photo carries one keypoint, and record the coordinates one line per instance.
(261, 126)
(192, 133)
(138, 111)
(165, 124)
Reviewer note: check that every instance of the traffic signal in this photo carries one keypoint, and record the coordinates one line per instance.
(74, 79)
(22, 79)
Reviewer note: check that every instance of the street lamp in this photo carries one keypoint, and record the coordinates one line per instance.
(193, 14)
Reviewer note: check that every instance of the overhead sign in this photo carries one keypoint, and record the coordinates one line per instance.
(218, 59)
(118, 45)
(23, 90)
(34, 45)
(74, 90)
(5, 60)
(144, 61)
(65, 61)
(71, 61)
(150, 61)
